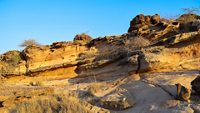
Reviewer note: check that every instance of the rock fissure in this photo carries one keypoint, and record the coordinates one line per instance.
(139, 58)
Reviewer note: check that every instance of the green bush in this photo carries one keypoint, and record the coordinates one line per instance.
(15, 59)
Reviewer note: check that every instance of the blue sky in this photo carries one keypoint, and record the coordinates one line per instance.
(48, 21)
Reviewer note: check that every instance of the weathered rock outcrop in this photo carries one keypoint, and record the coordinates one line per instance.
(133, 72)
(141, 22)
(82, 39)
(12, 63)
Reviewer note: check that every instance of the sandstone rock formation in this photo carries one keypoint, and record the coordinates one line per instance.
(82, 38)
(148, 69)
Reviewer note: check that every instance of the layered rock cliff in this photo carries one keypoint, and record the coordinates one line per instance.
(148, 69)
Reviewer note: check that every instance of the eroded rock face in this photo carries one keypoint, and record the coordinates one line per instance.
(163, 44)
(155, 29)
(58, 55)
(133, 72)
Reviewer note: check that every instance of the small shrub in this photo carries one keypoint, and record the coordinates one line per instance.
(15, 59)
(185, 11)
(107, 54)
(83, 56)
(1, 57)
(116, 53)
(29, 42)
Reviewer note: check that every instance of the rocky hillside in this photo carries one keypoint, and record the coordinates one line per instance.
(154, 67)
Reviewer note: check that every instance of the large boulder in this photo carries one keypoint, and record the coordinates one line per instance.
(141, 21)
(188, 18)
(117, 101)
(155, 19)
(189, 22)
(138, 22)
(82, 38)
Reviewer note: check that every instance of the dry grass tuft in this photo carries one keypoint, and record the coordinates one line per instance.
(36, 83)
